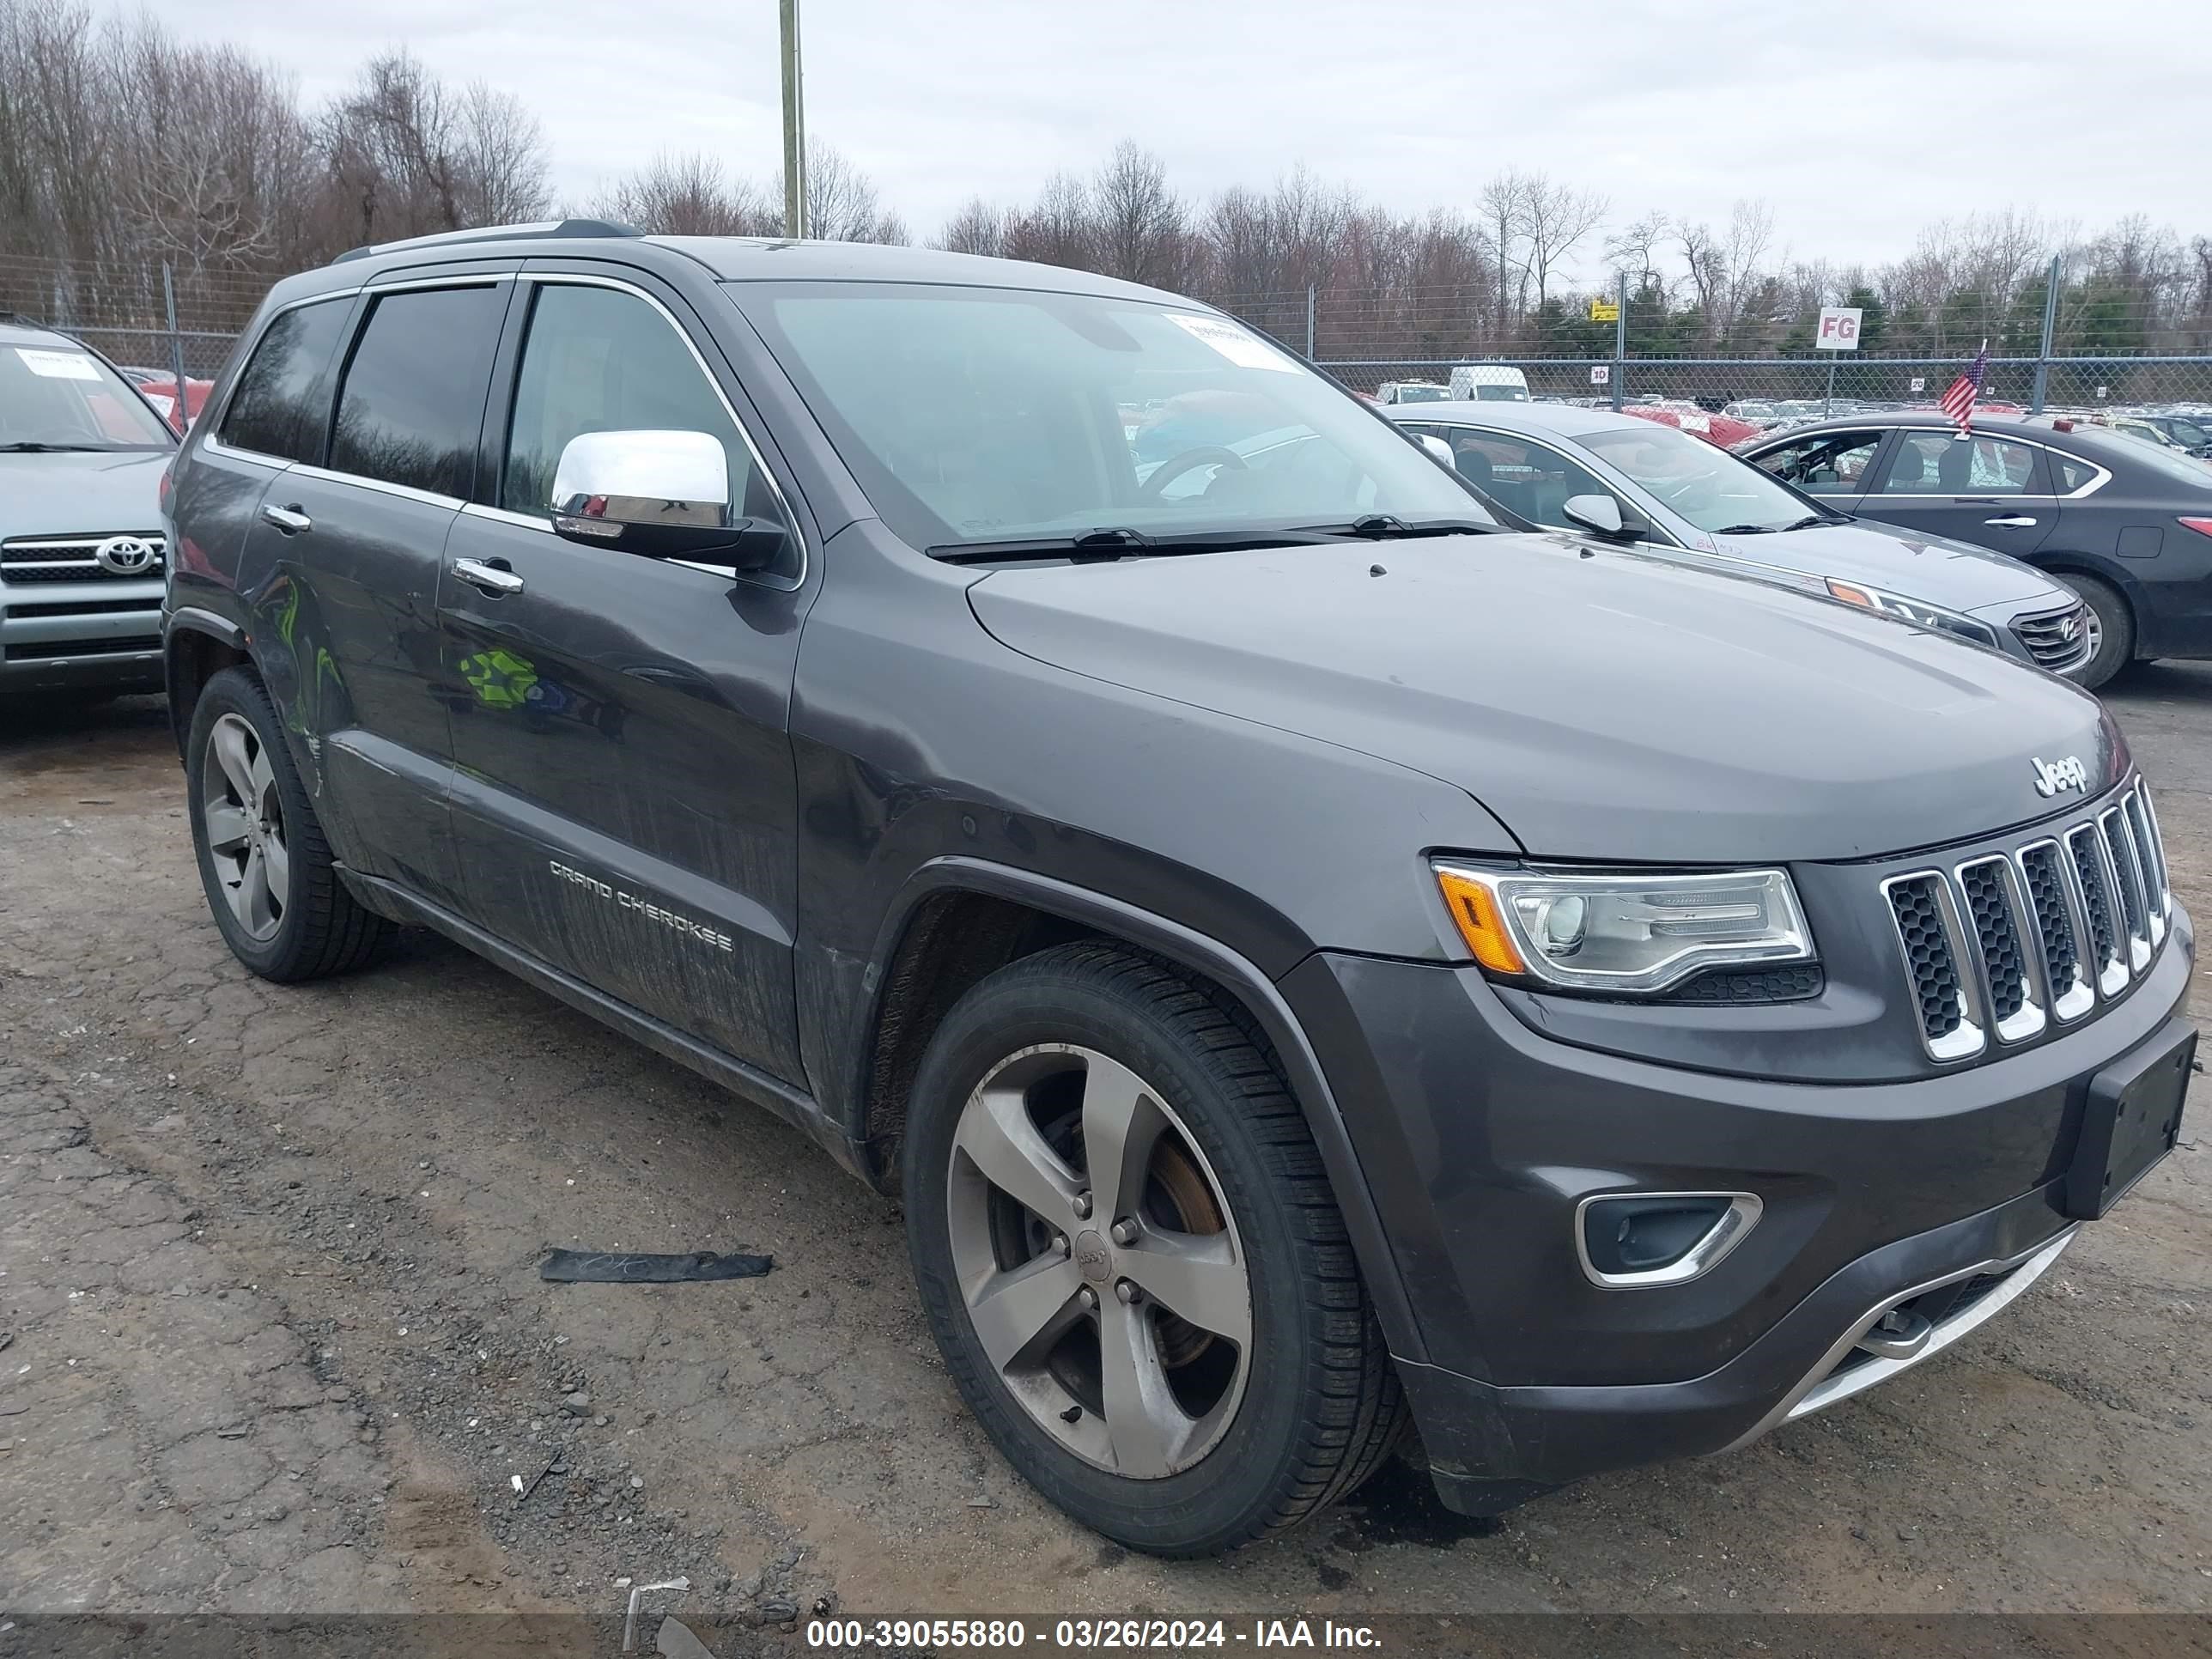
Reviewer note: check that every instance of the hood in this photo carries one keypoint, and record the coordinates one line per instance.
(77, 494)
(1953, 575)
(1602, 705)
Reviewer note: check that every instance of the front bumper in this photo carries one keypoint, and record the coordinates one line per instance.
(94, 635)
(1479, 1136)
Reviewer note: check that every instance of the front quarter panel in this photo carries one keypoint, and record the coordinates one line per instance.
(918, 737)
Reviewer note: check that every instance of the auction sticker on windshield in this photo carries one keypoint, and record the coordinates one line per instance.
(59, 365)
(1232, 343)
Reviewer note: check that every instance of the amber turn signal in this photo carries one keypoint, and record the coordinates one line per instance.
(1475, 911)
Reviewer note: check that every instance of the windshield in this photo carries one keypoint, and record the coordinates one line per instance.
(1501, 394)
(61, 397)
(1423, 394)
(992, 415)
(1709, 487)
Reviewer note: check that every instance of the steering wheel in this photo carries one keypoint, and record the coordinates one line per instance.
(1176, 466)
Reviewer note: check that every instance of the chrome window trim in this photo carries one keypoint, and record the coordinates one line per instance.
(1731, 1230)
(1823, 1387)
(2029, 1019)
(383, 487)
(792, 521)
(1970, 1039)
(2076, 999)
(2104, 474)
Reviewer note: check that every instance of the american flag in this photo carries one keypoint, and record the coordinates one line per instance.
(1959, 402)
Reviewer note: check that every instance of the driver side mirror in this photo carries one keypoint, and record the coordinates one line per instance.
(660, 494)
(1440, 451)
(1600, 514)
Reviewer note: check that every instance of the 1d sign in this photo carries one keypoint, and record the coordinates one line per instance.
(1839, 328)
(1600, 373)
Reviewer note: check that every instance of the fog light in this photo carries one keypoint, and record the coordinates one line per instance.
(1635, 1241)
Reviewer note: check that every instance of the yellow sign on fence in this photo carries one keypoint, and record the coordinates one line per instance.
(1604, 310)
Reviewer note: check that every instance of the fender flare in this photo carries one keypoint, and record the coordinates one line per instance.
(1242, 979)
(192, 619)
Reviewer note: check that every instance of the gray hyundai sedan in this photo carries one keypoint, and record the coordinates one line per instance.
(1593, 470)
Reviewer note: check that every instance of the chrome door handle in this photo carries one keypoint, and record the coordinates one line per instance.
(289, 519)
(2016, 522)
(488, 578)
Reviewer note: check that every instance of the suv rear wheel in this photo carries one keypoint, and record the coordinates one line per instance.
(1131, 1260)
(266, 868)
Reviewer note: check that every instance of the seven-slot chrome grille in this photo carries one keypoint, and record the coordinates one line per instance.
(2008, 942)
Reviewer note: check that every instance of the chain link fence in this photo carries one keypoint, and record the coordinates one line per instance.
(2055, 343)
(2042, 339)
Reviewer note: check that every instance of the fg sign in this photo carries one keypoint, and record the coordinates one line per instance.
(1600, 373)
(1839, 329)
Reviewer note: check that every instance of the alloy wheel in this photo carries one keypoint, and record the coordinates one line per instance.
(244, 817)
(1098, 1261)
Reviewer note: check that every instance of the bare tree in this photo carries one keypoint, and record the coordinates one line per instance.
(977, 227)
(842, 204)
(1140, 234)
(1556, 219)
(1505, 217)
(688, 195)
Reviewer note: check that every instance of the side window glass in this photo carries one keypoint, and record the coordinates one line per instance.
(1533, 481)
(1832, 463)
(598, 360)
(2072, 474)
(1943, 464)
(411, 405)
(274, 409)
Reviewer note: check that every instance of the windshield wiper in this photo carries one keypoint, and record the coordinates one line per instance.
(1388, 528)
(1804, 523)
(1115, 542)
(51, 449)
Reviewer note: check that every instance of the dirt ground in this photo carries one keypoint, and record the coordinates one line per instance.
(267, 1264)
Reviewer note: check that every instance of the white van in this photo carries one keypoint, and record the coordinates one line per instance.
(1489, 383)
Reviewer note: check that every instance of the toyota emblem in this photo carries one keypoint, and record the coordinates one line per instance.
(127, 555)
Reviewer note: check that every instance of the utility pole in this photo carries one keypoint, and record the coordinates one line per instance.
(2050, 327)
(795, 129)
(1620, 338)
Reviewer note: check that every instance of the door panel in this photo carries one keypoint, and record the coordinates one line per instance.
(345, 619)
(625, 800)
(1990, 491)
(626, 805)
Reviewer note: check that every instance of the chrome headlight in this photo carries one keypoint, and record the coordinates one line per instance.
(1630, 935)
(1912, 610)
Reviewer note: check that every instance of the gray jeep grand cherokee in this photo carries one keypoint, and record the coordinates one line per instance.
(1314, 965)
(80, 549)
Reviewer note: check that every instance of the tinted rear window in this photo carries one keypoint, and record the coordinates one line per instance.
(277, 409)
(412, 403)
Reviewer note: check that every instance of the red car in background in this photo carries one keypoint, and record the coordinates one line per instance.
(1724, 431)
(159, 387)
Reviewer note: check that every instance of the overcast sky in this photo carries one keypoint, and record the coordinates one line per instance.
(1859, 121)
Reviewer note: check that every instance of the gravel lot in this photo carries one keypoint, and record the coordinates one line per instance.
(268, 1260)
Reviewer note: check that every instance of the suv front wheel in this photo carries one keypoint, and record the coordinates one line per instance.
(1131, 1260)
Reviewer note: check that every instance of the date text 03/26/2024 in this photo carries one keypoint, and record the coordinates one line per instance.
(1167, 1635)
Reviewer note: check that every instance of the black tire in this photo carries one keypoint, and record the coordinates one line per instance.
(2115, 623)
(1325, 1409)
(323, 929)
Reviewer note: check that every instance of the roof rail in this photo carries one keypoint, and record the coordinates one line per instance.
(544, 228)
